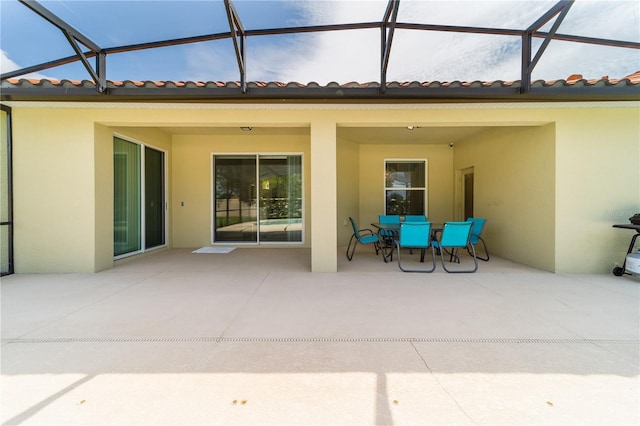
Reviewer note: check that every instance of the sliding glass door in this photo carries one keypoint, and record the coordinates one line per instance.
(138, 198)
(258, 198)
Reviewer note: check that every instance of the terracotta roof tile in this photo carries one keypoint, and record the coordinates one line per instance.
(629, 86)
(575, 79)
(634, 78)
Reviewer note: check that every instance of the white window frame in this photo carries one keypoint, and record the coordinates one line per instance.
(425, 189)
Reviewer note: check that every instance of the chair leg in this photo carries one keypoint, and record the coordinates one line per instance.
(475, 257)
(351, 250)
(486, 251)
(453, 255)
(433, 258)
(472, 252)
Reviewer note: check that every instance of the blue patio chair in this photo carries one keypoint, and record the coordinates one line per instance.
(388, 237)
(415, 218)
(362, 236)
(454, 236)
(415, 235)
(476, 232)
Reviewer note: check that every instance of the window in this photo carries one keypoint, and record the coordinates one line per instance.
(257, 199)
(405, 187)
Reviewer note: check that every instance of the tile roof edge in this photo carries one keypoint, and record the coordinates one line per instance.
(576, 79)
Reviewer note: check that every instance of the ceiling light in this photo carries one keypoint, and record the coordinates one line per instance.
(246, 128)
(410, 127)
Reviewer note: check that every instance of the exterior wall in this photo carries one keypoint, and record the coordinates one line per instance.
(348, 189)
(54, 191)
(192, 174)
(597, 185)
(63, 174)
(323, 197)
(514, 189)
(103, 188)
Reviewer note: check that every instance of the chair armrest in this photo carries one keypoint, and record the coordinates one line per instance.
(367, 230)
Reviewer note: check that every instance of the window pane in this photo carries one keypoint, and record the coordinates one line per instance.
(405, 174)
(154, 197)
(235, 199)
(404, 202)
(126, 197)
(280, 198)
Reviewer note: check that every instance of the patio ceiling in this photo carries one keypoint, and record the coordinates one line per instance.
(405, 136)
(400, 135)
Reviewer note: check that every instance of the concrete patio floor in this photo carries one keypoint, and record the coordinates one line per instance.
(252, 337)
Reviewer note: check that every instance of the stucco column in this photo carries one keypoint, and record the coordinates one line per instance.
(323, 197)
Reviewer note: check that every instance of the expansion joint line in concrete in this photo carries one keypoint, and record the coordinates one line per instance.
(317, 340)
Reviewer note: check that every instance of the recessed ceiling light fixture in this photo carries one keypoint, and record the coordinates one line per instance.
(246, 128)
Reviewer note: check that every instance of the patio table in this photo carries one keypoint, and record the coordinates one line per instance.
(388, 242)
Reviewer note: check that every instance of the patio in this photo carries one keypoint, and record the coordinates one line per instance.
(251, 337)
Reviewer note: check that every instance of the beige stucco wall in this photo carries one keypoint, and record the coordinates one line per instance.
(348, 188)
(514, 189)
(597, 185)
(62, 160)
(54, 191)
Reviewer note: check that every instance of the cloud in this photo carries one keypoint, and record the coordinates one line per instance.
(214, 61)
(416, 55)
(354, 55)
(7, 65)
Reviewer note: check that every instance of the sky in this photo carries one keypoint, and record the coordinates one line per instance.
(338, 56)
